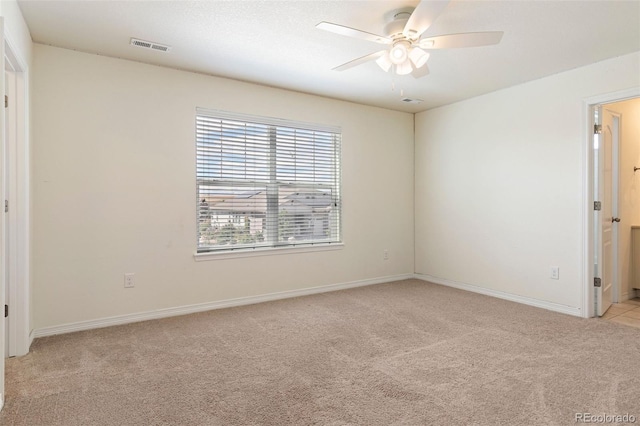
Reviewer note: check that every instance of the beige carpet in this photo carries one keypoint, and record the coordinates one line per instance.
(391, 354)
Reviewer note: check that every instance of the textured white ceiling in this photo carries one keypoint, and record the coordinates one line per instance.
(275, 43)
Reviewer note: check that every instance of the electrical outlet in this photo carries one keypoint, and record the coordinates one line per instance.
(128, 280)
(385, 254)
(555, 273)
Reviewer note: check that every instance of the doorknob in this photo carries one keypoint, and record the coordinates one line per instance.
(615, 219)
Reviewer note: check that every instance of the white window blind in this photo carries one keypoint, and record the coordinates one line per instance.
(265, 182)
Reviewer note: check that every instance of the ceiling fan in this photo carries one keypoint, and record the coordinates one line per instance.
(408, 52)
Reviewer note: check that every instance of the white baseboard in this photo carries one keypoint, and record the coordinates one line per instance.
(570, 310)
(201, 307)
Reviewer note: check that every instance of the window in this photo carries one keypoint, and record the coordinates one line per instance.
(265, 183)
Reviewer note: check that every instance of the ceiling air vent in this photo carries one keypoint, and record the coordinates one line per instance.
(411, 101)
(150, 45)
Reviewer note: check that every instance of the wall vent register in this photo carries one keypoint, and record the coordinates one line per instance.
(150, 45)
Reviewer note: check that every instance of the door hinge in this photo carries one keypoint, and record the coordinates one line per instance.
(597, 205)
(6, 311)
(597, 129)
(597, 282)
(6, 206)
(6, 101)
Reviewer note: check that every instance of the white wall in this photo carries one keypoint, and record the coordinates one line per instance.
(499, 185)
(114, 189)
(629, 193)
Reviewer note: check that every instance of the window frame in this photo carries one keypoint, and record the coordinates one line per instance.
(272, 190)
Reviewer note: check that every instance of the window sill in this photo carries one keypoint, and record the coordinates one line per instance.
(235, 254)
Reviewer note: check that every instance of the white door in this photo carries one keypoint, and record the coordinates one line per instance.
(5, 218)
(3, 222)
(606, 220)
(10, 191)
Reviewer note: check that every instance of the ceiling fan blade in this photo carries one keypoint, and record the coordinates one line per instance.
(451, 41)
(420, 72)
(423, 16)
(359, 61)
(352, 32)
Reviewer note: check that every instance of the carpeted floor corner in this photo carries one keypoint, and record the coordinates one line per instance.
(403, 353)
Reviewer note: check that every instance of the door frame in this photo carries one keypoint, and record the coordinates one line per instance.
(588, 273)
(18, 219)
(17, 151)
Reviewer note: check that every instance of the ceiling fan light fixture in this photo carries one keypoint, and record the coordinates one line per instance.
(418, 56)
(399, 53)
(404, 68)
(384, 62)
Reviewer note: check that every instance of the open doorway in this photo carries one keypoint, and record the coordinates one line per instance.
(621, 120)
(613, 183)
